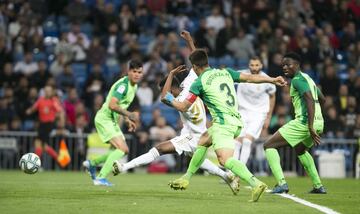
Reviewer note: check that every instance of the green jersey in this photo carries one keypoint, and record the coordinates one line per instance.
(124, 92)
(216, 88)
(300, 84)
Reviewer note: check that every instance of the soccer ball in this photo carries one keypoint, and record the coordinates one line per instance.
(30, 163)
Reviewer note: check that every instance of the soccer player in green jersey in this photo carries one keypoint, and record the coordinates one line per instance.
(216, 88)
(120, 96)
(303, 131)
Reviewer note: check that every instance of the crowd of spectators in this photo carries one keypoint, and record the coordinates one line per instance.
(80, 47)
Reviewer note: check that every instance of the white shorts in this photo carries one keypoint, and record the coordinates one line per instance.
(253, 124)
(185, 143)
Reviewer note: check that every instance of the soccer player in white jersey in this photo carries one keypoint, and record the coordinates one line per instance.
(194, 125)
(256, 104)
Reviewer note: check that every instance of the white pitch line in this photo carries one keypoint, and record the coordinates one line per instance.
(304, 202)
(309, 204)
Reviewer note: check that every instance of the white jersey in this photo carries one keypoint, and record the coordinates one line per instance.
(254, 97)
(194, 119)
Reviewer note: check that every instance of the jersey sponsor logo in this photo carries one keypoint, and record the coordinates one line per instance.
(121, 89)
(216, 75)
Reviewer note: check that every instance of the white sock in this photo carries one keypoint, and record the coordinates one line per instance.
(245, 150)
(213, 169)
(237, 149)
(146, 158)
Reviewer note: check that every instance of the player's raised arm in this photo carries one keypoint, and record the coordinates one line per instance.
(189, 40)
(167, 86)
(255, 78)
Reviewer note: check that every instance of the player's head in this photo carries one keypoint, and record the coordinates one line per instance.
(199, 60)
(48, 91)
(255, 65)
(175, 86)
(291, 64)
(135, 71)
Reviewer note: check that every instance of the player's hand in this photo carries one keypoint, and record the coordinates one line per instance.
(134, 116)
(131, 125)
(179, 69)
(315, 136)
(280, 81)
(28, 111)
(185, 35)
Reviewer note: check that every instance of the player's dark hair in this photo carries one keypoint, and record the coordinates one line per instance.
(135, 63)
(199, 58)
(255, 58)
(174, 83)
(294, 56)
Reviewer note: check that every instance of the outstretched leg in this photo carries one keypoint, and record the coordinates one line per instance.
(272, 155)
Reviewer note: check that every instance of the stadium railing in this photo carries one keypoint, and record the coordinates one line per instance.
(289, 161)
(13, 144)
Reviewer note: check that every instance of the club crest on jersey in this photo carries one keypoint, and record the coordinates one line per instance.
(121, 89)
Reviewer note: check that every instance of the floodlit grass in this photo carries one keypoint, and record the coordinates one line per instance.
(73, 192)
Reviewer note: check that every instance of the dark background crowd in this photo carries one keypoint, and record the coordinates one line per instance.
(80, 47)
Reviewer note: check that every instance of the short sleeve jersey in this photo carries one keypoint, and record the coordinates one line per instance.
(216, 88)
(254, 97)
(300, 84)
(124, 92)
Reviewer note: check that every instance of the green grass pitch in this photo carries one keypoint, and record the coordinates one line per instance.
(73, 192)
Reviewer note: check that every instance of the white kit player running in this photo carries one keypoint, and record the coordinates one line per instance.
(194, 125)
(256, 104)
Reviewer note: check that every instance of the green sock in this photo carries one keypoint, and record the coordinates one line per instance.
(196, 161)
(308, 162)
(100, 159)
(106, 169)
(240, 169)
(273, 159)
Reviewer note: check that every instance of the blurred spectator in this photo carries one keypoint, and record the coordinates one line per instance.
(69, 106)
(215, 20)
(332, 128)
(96, 53)
(348, 118)
(77, 11)
(6, 113)
(66, 80)
(26, 66)
(330, 83)
(240, 46)
(127, 20)
(64, 47)
(154, 65)
(5, 53)
(15, 124)
(160, 133)
(40, 77)
(112, 41)
(75, 36)
(224, 36)
(145, 94)
(341, 101)
(94, 84)
(57, 66)
(8, 77)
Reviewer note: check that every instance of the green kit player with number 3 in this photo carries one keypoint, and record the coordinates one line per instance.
(216, 88)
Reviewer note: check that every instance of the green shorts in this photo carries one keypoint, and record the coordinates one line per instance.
(295, 132)
(223, 136)
(107, 128)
